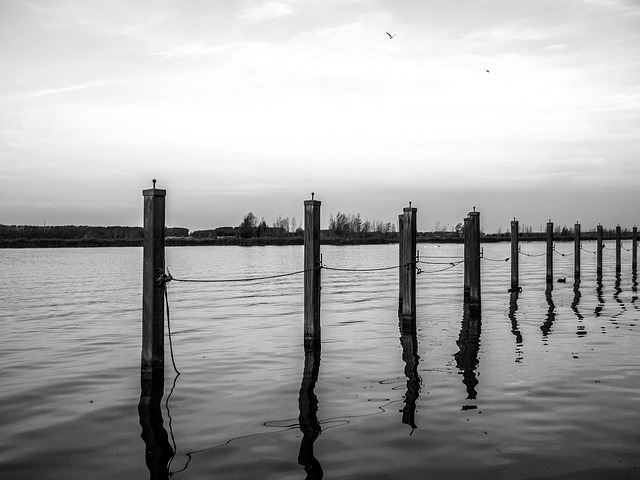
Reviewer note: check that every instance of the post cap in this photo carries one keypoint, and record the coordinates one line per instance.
(154, 192)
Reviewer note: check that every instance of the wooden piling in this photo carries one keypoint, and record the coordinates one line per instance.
(152, 283)
(312, 268)
(465, 232)
(407, 270)
(576, 251)
(474, 256)
(618, 249)
(549, 252)
(599, 249)
(634, 249)
(514, 255)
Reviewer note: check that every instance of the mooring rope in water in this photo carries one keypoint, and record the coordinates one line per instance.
(588, 251)
(166, 298)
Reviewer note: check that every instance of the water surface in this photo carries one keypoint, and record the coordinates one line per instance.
(544, 384)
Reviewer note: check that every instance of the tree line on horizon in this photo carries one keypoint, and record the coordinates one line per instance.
(342, 228)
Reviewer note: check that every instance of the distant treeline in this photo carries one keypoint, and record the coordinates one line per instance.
(22, 236)
(344, 229)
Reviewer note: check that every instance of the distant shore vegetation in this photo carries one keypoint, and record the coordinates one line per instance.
(343, 229)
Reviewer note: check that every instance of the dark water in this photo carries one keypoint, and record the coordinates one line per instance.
(545, 385)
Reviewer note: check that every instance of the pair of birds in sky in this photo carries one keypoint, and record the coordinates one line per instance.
(392, 36)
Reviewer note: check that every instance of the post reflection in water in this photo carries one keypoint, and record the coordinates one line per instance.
(574, 306)
(634, 287)
(551, 312)
(513, 307)
(409, 342)
(600, 297)
(616, 296)
(469, 344)
(308, 419)
(158, 450)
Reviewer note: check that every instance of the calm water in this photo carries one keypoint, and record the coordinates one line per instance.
(543, 386)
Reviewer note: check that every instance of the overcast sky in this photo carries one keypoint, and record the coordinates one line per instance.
(238, 106)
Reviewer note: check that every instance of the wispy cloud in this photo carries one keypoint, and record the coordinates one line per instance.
(267, 11)
(57, 90)
(193, 50)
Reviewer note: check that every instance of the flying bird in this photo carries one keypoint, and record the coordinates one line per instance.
(390, 36)
(487, 71)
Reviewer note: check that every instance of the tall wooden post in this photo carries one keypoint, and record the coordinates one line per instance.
(634, 249)
(618, 249)
(152, 284)
(599, 249)
(465, 232)
(408, 234)
(514, 255)
(312, 267)
(474, 259)
(576, 251)
(549, 252)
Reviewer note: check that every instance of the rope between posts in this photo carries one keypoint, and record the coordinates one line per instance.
(495, 260)
(337, 269)
(563, 254)
(249, 279)
(532, 255)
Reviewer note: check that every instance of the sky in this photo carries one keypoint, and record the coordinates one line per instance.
(526, 109)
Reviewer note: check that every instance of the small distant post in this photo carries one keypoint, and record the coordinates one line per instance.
(549, 252)
(152, 285)
(576, 251)
(408, 234)
(634, 249)
(312, 267)
(473, 256)
(466, 233)
(514, 255)
(618, 249)
(600, 247)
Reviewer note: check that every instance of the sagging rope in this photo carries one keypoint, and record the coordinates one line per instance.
(562, 254)
(226, 280)
(531, 254)
(337, 269)
(495, 260)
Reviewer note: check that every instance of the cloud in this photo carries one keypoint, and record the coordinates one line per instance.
(266, 11)
(44, 92)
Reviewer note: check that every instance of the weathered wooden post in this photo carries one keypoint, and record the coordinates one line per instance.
(576, 251)
(408, 234)
(312, 267)
(474, 257)
(514, 255)
(599, 249)
(634, 249)
(465, 232)
(153, 281)
(618, 249)
(549, 252)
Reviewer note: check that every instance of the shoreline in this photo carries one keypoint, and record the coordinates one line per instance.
(20, 243)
